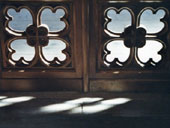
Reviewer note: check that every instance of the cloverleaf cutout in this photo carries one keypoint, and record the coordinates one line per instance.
(54, 51)
(151, 20)
(152, 49)
(19, 19)
(21, 50)
(53, 19)
(115, 49)
(117, 21)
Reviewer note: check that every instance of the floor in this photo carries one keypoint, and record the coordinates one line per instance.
(88, 110)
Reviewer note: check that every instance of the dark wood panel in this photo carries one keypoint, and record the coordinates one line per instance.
(40, 84)
(132, 85)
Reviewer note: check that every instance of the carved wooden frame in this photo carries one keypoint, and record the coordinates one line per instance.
(26, 78)
(37, 42)
(86, 31)
(131, 76)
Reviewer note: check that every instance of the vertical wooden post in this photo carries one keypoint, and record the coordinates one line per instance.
(85, 43)
(1, 42)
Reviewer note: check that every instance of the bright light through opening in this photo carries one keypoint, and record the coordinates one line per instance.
(57, 108)
(3, 97)
(83, 105)
(11, 101)
(84, 100)
(68, 105)
(100, 106)
(116, 101)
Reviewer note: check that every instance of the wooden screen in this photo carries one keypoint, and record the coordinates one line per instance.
(90, 45)
(129, 47)
(41, 45)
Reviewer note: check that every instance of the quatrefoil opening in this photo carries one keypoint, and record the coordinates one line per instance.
(140, 36)
(38, 34)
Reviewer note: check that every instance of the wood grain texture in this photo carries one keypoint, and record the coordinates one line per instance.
(85, 39)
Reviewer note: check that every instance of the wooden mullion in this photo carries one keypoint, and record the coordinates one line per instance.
(85, 43)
